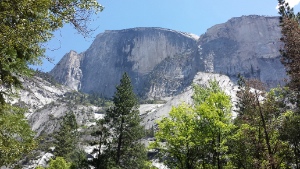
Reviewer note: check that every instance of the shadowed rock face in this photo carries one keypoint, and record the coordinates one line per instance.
(162, 62)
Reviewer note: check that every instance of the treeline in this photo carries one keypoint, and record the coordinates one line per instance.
(263, 133)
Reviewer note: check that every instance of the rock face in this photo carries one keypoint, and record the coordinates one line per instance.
(162, 62)
(157, 112)
(144, 53)
(70, 74)
(248, 45)
(48, 102)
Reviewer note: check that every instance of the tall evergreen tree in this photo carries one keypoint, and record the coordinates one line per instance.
(122, 122)
(290, 52)
(255, 142)
(290, 29)
(66, 137)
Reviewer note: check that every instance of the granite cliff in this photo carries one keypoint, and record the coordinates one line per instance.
(163, 62)
(46, 102)
(248, 45)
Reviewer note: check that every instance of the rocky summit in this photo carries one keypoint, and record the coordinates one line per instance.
(163, 62)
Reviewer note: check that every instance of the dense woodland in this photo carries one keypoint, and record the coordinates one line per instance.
(264, 133)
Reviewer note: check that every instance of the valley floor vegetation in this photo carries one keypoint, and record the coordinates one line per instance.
(205, 134)
(263, 134)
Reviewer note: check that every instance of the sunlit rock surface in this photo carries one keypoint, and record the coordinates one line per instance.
(163, 62)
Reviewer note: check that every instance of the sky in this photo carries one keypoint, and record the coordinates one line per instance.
(192, 16)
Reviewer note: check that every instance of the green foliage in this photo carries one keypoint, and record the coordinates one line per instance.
(79, 160)
(25, 24)
(65, 142)
(255, 142)
(59, 163)
(149, 132)
(290, 54)
(74, 98)
(16, 137)
(178, 138)
(289, 22)
(120, 131)
(66, 138)
(264, 133)
(214, 112)
(196, 136)
(289, 132)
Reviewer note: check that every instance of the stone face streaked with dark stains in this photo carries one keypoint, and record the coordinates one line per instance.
(248, 45)
(144, 53)
(163, 62)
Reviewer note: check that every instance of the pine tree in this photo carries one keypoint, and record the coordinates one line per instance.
(290, 52)
(255, 142)
(122, 122)
(290, 29)
(66, 137)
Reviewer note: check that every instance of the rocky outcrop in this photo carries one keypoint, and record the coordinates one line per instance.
(157, 112)
(46, 102)
(248, 45)
(162, 62)
(70, 73)
(144, 53)
(137, 51)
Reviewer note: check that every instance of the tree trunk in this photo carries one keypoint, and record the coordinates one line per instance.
(120, 142)
(296, 154)
(271, 159)
(218, 153)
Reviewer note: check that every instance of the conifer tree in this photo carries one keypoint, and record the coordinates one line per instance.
(290, 29)
(66, 137)
(255, 142)
(290, 52)
(122, 122)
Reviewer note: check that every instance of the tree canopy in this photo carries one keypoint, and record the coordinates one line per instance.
(196, 136)
(26, 24)
(290, 52)
(16, 137)
(121, 131)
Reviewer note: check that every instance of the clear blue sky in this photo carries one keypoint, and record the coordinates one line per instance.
(193, 16)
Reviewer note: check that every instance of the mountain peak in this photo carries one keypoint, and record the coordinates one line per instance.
(162, 62)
